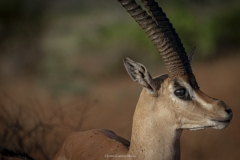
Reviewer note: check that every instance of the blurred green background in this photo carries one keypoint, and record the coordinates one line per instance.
(49, 38)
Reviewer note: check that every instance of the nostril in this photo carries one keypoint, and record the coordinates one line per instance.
(229, 111)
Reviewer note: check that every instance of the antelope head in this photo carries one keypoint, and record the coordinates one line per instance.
(176, 96)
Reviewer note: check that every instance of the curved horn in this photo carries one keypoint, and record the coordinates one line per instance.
(162, 34)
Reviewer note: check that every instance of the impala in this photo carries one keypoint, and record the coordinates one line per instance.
(168, 103)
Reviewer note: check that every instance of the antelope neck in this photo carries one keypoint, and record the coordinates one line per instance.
(151, 139)
(162, 146)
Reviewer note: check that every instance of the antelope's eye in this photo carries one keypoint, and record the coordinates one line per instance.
(180, 92)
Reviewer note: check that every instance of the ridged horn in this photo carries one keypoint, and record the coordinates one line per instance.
(163, 35)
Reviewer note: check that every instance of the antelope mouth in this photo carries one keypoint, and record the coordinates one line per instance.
(222, 120)
(225, 121)
(221, 123)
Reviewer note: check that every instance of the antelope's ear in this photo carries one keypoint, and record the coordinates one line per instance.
(139, 74)
(190, 56)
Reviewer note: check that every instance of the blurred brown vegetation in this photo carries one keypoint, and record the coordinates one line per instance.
(61, 70)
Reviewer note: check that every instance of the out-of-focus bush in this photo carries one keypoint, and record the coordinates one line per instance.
(209, 25)
(21, 26)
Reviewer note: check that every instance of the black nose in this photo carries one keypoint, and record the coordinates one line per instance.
(229, 111)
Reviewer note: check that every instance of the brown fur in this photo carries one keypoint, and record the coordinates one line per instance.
(102, 143)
